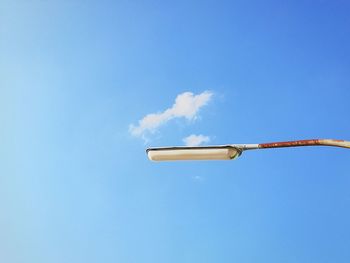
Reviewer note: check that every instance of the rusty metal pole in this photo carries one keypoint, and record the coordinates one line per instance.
(297, 143)
(312, 142)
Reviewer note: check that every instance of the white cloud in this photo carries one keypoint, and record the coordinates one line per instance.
(198, 178)
(196, 140)
(186, 105)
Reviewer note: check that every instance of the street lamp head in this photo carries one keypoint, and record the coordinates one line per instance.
(229, 152)
(224, 152)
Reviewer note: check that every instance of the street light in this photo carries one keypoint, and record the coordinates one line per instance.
(231, 151)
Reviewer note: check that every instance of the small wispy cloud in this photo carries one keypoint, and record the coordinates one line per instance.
(195, 140)
(186, 106)
(198, 178)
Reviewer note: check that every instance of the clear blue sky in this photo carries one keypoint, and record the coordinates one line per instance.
(75, 184)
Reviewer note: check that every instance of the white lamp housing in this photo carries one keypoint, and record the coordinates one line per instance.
(226, 152)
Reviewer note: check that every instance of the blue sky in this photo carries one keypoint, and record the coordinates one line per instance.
(75, 183)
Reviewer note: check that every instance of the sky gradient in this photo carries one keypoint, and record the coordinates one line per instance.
(75, 183)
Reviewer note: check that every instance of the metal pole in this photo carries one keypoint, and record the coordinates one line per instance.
(312, 142)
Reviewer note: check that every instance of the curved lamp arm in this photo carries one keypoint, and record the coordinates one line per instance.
(229, 152)
(314, 142)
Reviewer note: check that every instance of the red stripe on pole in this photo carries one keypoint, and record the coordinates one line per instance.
(290, 143)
